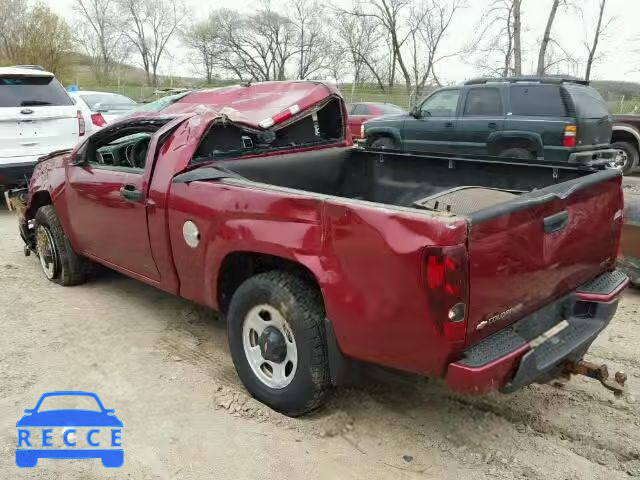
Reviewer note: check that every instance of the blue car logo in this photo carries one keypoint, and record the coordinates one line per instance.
(103, 429)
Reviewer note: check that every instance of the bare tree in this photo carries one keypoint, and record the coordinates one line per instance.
(517, 42)
(101, 35)
(429, 25)
(392, 16)
(35, 35)
(498, 42)
(312, 45)
(546, 38)
(360, 36)
(205, 40)
(13, 19)
(593, 47)
(149, 25)
(257, 47)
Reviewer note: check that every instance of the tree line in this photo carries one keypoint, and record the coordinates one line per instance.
(380, 42)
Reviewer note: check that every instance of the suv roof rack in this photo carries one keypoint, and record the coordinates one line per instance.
(30, 67)
(527, 78)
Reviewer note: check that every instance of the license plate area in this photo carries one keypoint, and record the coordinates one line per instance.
(28, 129)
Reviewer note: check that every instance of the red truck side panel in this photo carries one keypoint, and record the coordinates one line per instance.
(367, 261)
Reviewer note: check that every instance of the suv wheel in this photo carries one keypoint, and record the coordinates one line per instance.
(627, 159)
(521, 153)
(384, 143)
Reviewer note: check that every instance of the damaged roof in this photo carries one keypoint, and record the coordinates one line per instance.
(255, 104)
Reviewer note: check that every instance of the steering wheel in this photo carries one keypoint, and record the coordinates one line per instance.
(129, 155)
(140, 153)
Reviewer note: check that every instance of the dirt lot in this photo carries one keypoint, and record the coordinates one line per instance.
(162, 363)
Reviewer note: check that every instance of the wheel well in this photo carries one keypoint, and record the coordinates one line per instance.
(239, 266)
(377, 136)
(39, 199)
(507, 143)
(623, 136)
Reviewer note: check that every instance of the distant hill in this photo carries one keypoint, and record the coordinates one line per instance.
(617, 88)
(79, 72)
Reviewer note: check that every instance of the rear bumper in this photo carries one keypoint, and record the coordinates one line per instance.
(535, 347)
(16, 171)
(594, 157)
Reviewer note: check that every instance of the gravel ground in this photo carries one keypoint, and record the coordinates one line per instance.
(162, 363)
(632, 183)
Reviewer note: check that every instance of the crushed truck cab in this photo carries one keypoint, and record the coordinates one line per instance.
(487, 272)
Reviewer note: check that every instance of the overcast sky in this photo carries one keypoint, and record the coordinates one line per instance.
(620, 48)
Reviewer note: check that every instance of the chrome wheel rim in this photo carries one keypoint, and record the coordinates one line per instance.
(620, 161)
(47, 252)
(266, 333)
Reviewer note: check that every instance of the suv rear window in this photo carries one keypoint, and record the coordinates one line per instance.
(32, 91)
(588, 102)
(537, 101)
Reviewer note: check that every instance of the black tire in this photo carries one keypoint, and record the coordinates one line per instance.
(384, 143)
(69, 267)
(300, 304)
(632, 155)
(517, 152)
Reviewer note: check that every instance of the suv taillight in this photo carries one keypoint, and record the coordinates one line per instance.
(81, 126)
(98, 120)
(446, 281)
(570, 136)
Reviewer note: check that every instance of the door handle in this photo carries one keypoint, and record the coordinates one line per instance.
(493, 125)
(131, 193)
(556, 222)
(448, 124)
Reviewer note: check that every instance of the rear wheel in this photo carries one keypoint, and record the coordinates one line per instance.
(627, 158)
(384, 143)
(517, 152)
(277, 342)
(59, 262)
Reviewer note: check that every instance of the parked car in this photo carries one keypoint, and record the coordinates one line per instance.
(158, 105)
(626, 138)
(101, 108)
(631, 238)
(542, 118)
(320, 254)
(37, 117)
(358, 113)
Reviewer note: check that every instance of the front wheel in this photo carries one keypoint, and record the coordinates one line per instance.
(59, 262)
(277, 342)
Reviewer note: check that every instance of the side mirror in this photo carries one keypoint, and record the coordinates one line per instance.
(415, 112)
(28, 410)
(109, 411)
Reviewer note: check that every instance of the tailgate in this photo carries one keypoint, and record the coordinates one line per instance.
(37, 130)
(528, 252)
(37, 116)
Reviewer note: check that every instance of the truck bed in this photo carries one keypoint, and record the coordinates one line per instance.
(444, 184)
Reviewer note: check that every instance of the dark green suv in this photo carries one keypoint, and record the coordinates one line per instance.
(540, 118)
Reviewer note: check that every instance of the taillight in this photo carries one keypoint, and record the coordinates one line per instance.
(281, 117)
(570, 136)
(98, 120)
(82, 128)
(446, 282)
(362, 131)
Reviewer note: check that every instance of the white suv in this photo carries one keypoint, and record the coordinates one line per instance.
(37, 117)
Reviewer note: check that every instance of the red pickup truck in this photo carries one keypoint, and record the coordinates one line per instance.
(322, 256)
